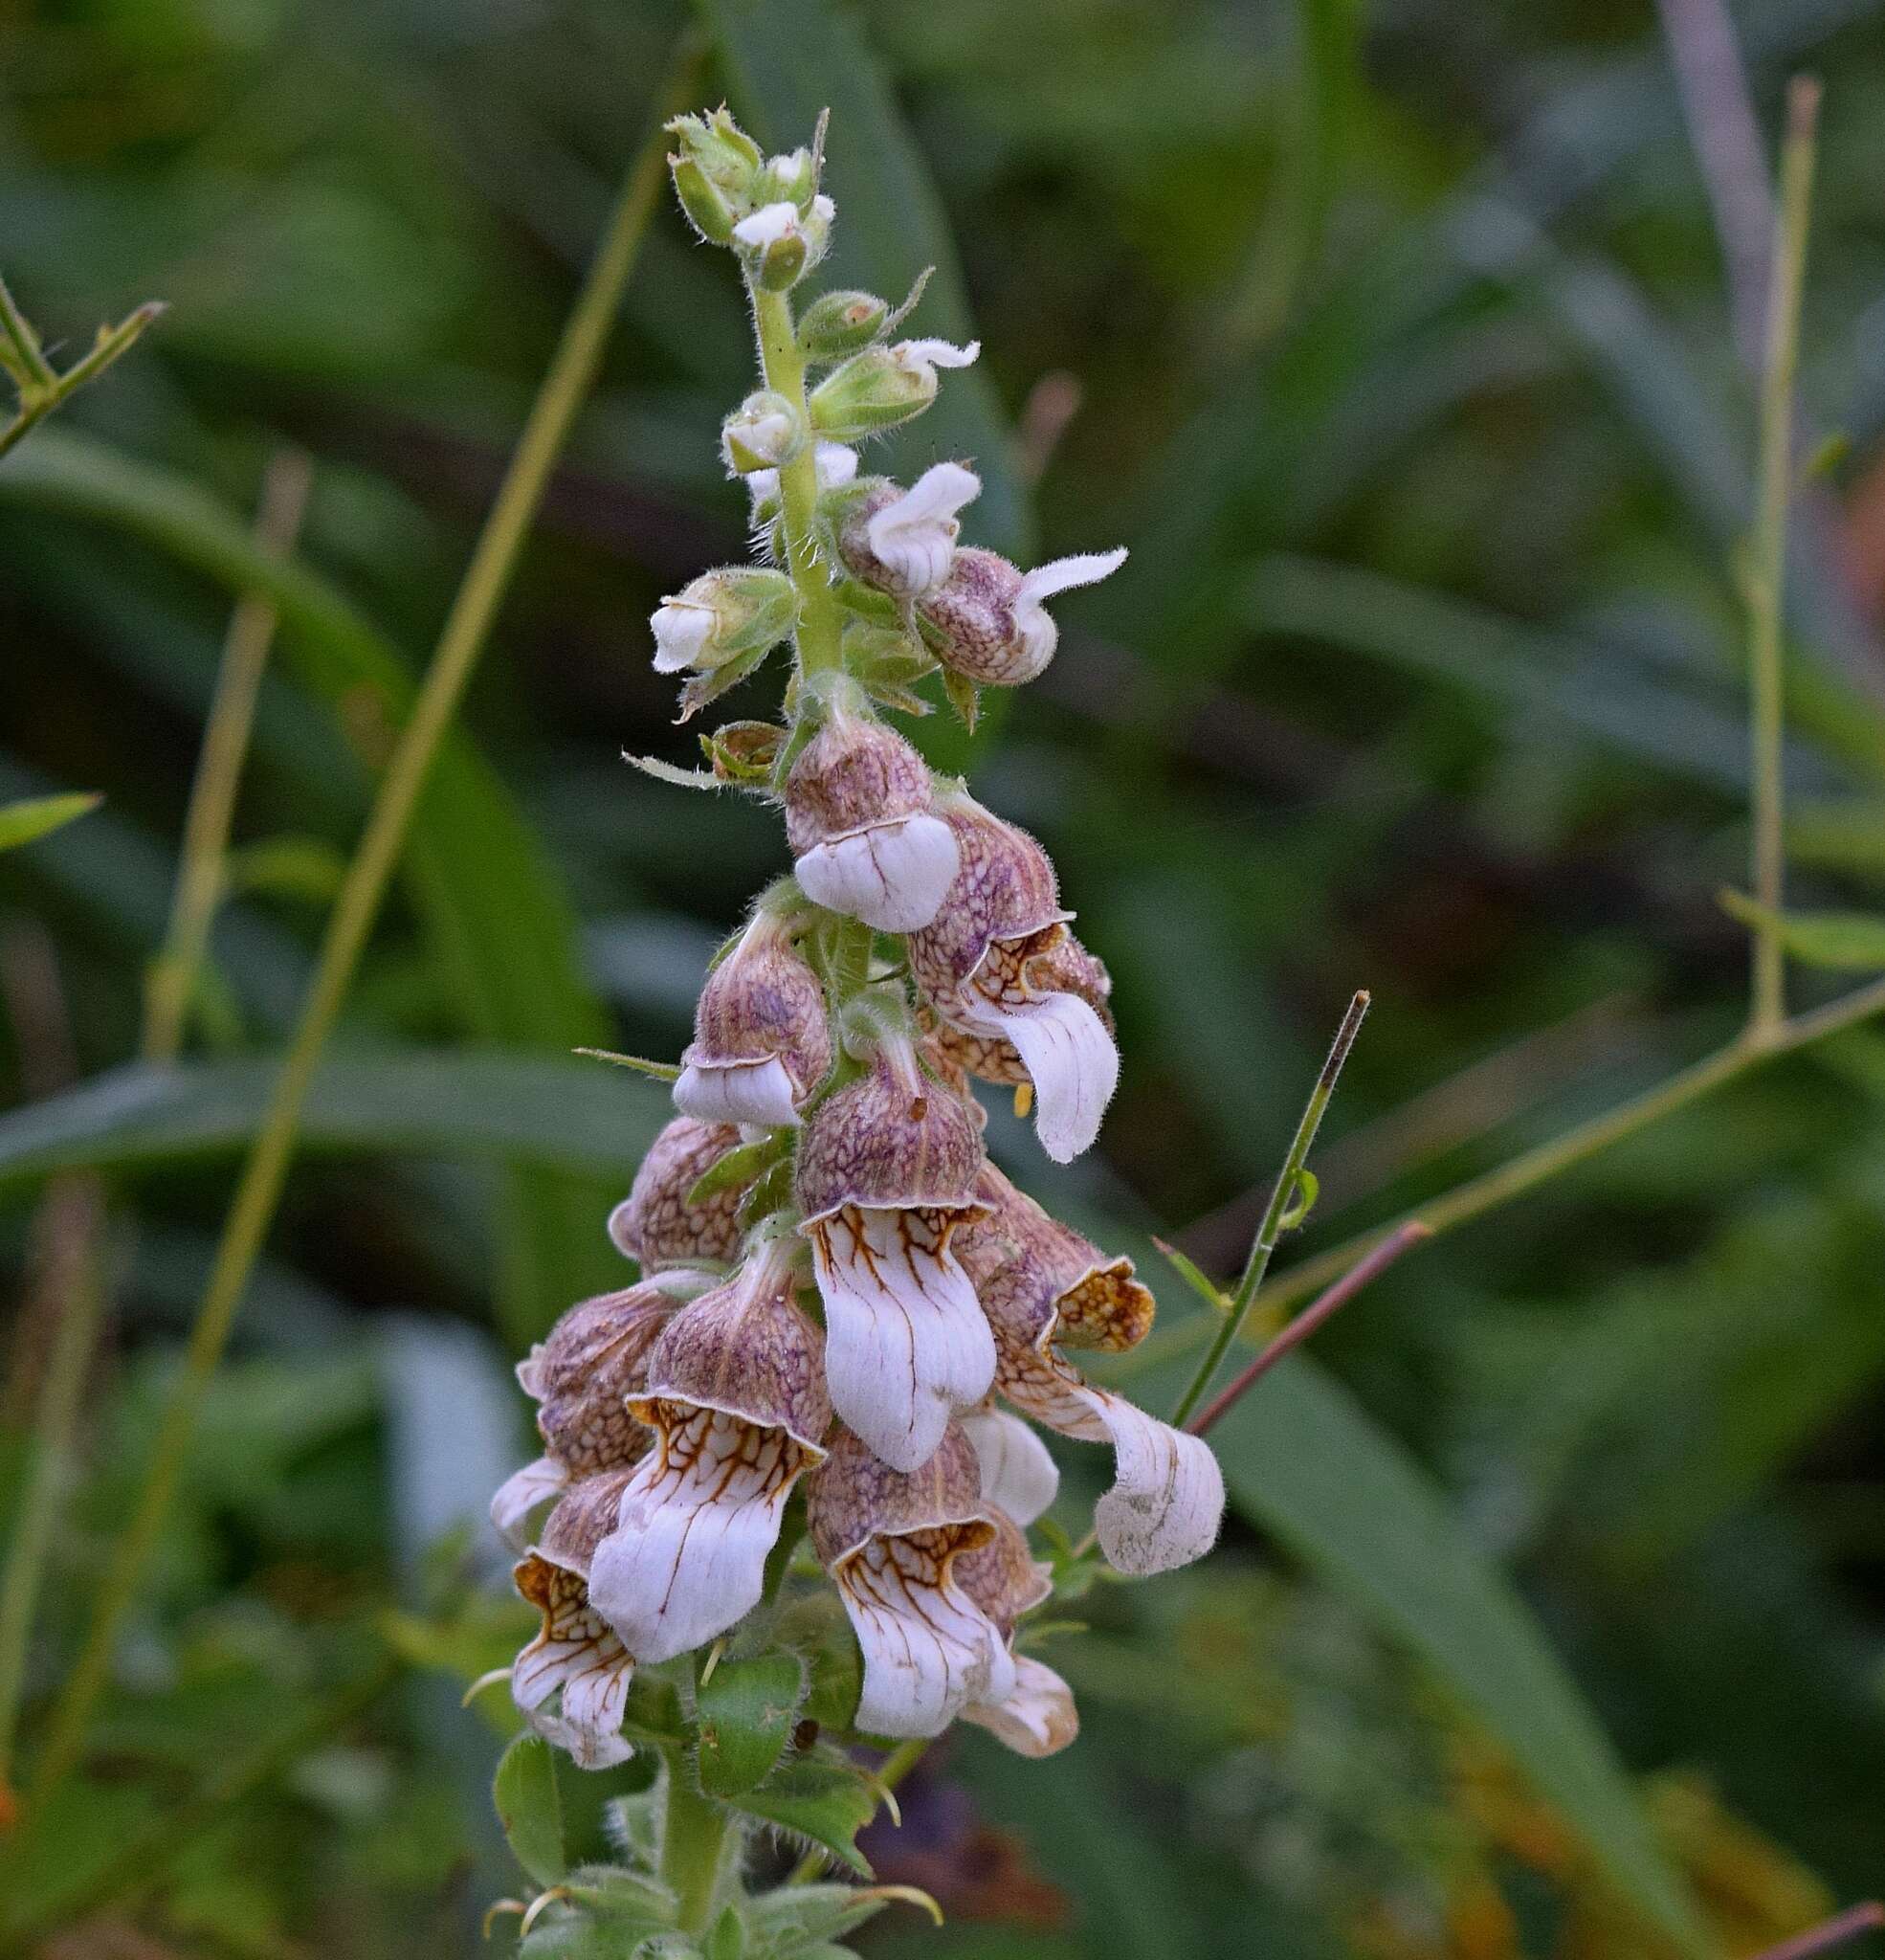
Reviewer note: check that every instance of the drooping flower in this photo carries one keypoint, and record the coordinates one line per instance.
(762, 1042)
(886, 1175)
(989, 619)
(1043, 1286)
(988, 966)
(1036, 1717)
(657, 1225)
(581, 1375)
(892, 1541)
(903, 542)
(577, 1655)
(735, 1393)
(1065, 967)
(861, 826)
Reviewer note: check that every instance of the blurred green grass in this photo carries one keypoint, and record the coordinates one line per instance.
(1403, 366)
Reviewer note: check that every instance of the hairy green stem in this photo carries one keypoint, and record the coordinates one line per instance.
(1271, 1229)
(467, 626)
(41, 389)
(174, 972)
(820, 619)
(36, 372)
(1767, 558)
(693, 1848)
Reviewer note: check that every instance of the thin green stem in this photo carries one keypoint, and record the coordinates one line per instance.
(173, 974)
(251, 1211)
(1767, 559)
(693, 1849)
(45, 391)
(820, 619)
(1488, 1193)
(1281, 1197)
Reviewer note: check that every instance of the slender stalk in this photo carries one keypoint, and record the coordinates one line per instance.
(819, 618)
(1829, 1933)
(42, 390)
(693, 1848)
(1767, 563)
(467, 626)
(1271, 1229)
(1363, 1273)
(173, 974)
(1499, 1187)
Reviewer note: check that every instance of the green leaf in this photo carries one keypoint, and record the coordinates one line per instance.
(1302, 1460)
(1187, 1269)
(502, 930)
(305, 868)
(1847, 941)
(795, 1917)
(559, 1115)
(21, 822)
(820, 1801)
(530, 1809)
(738, 1168)
(746, 1713)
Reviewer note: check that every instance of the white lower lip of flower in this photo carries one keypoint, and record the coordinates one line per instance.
(688, 1556)
(520, 1494)
(928, 1649)
(1037, 1718)
(914, 537)
(1167, 1501)
(906, 1342)
(680, 634)
(579, 1653)
(892, 876)
(768, 225)
(1069, 1055)
(1018, 1476)
(755, 1092)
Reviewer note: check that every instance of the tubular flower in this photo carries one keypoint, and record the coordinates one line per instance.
(580, 1377)
(860, 823)
(988, 621)
(761, 1043)
(903, 542)
(994, 964)
(893, 1542)
(657, 1225)
(1043, 1286)
(1036, 1717)
(736, 1397)
(577, 1652)
(886, 1175)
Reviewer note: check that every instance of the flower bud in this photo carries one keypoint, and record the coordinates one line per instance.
(859, 822)
(883, 386)
(987, 621)
(657, 1225)
(839, 324)
(773, 243)
(903, 542)
(721, 151)
(723, 614)
(763, 432)
(761, 1043)
(700, 198)
(793, 177)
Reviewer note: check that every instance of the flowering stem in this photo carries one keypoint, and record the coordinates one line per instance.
(1323, 1307)
(173, 973)
(1281, 1197)
(693, 1848)
(1829, 1933)
(251, 1211)
(1768, 567)
(819, 618)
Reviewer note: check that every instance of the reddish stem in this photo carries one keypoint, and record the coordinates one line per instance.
(1829, 1933)
(1360, 1275)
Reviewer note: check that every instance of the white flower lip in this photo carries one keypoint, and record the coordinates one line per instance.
(892, 876)
(579, 1653)
(768, 225)
(746, 1092)
(521, 1493)
(906, 1342)
(1033, 625)
(1069, 1055)
(682, 632)
(1037, 1718)
(1018, 1475)
(919, 354)
(914, 537)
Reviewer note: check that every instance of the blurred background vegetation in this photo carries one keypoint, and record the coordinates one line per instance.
(1399, 344)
